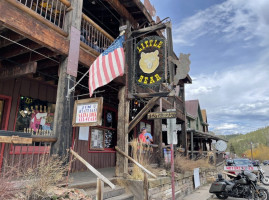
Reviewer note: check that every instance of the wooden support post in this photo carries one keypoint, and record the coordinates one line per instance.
(64, 105)
(170, 50)
(122, 133)
(146, 186)
(183, 135)
(191, 145)
(158, 138)
(99, 189)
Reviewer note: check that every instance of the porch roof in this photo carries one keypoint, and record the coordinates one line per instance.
(205, 135)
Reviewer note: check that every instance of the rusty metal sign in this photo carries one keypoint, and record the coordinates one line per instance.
(72, 65)
(162, 115)
(150, 61)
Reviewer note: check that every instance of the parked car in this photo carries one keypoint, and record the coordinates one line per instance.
(265, 162)
(256, 162)
(242, 162)
(239, 164)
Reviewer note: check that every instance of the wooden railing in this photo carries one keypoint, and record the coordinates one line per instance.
(94, 36)
(50, 12)
(100, 178)
(23, 150)
(146, 172)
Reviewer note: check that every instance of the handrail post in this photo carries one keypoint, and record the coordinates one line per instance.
(146, 186)
(99, 189)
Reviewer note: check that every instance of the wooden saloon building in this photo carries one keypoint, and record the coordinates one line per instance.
(45, 49)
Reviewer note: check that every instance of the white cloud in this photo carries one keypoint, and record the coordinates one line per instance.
(239, 95)
(226, 126)
(233, 19)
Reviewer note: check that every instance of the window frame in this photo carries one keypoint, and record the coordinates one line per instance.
(105, 150)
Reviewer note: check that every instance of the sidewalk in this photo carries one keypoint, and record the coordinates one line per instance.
(202, 193)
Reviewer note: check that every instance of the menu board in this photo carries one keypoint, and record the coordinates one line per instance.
(97, 139)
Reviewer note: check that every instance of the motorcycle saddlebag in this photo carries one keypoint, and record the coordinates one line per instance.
(217, 187)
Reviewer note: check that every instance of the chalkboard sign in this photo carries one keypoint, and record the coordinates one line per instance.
(97, 139)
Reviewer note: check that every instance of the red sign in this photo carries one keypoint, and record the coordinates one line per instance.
(239, 168)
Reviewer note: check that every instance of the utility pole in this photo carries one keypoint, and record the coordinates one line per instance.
(251, 151)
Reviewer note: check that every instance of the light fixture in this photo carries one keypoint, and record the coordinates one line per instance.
(93, 2)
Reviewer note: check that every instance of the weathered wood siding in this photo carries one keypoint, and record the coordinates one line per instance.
(97, 160)
(25, 87)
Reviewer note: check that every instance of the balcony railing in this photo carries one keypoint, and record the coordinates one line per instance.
(53, 11)
(94, 36)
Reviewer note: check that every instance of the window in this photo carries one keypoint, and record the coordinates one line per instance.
(197, 124)
(104, 138)
(34, 116)
(189, 123)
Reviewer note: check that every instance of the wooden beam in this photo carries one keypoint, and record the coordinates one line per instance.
(17, 71)
(135, 162)
(12, 36)
(142, 113)
(45, 63)
(20, 22)
(37, 16)
(39, 138)
(147, 29)
(15, 50)
(15, 140)
(33, 57)
(35, 30)
(124, 13)
(150, 95)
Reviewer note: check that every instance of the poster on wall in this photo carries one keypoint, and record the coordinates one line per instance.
(88, 112)
(83, 133)
(150, 61)
(97, 139)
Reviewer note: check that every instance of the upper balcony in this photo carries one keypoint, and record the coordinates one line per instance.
(42, 24)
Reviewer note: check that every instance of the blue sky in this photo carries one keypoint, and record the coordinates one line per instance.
(229, 46)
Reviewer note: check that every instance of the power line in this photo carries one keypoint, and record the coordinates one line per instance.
(29, 48)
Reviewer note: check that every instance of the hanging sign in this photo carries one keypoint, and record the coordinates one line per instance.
(88, 112)
(150, 61)
(162, 115)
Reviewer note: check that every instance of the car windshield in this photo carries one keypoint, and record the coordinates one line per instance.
(241, 162)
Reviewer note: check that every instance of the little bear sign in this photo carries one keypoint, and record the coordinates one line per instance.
(149, 56)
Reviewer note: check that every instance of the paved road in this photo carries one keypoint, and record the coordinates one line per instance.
(266, 169)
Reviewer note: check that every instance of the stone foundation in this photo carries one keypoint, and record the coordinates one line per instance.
(160, 188)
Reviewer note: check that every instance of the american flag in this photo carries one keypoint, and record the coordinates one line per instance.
(108, 66)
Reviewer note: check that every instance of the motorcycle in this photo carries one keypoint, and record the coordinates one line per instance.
(244, 185)
(264, 179)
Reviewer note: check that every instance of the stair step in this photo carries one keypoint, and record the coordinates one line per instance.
(125, 196)
(108, 192)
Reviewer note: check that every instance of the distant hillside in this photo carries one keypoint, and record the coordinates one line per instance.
(241, 143)
(228, 137)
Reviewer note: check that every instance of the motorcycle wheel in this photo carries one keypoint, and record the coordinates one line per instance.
(265, 180)
(221, 196)
(263, 194)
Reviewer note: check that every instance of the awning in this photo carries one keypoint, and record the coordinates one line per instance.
(205, 135)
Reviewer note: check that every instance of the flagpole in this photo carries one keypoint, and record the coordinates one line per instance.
(73, 88)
